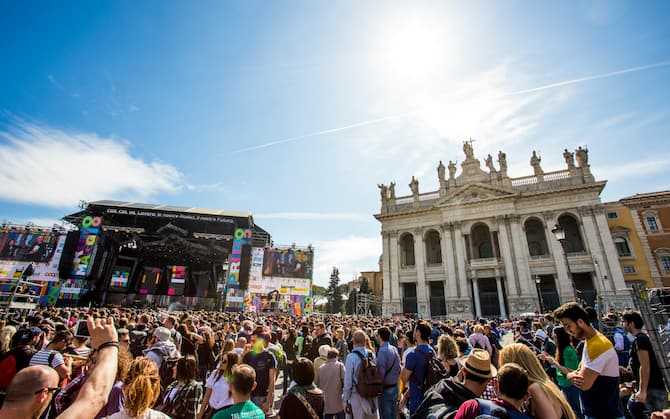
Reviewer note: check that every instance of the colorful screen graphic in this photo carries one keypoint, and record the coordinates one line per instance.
(119, 280)
(177, 280)
(150, 280)
(281, 279)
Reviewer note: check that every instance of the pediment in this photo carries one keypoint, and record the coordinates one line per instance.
(477, 192)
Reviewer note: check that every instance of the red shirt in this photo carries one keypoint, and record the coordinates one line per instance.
(470, 409)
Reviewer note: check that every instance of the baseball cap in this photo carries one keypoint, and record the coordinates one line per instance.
(162, 333)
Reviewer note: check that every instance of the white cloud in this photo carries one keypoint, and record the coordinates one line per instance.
(346, 216)
(634, 169)
(52, 167)
(350, 255)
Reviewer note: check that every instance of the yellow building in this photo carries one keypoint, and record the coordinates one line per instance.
(629, 245)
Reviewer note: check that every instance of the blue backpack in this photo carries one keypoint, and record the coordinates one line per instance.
(490, 410)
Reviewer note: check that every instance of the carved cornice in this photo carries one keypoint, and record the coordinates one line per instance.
(598, 209)
(584, 211)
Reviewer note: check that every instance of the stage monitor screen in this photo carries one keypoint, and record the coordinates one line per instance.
(119, 280)
(177, 280)
(151, 278)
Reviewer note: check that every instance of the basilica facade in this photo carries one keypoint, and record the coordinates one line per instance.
(485, 244)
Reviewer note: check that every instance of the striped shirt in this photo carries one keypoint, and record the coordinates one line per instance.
(42, 358)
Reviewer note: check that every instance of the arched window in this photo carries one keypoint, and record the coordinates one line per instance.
(407, 250)
(536, 237)
(573, 237)
(622, 247)
(481, 242)
(433, 250)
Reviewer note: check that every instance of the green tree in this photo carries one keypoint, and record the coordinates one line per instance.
(318, 290)
(333, 293)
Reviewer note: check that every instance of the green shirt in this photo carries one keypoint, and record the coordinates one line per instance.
(241, 410)
(570, 360)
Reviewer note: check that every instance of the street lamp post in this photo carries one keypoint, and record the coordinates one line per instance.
(559, 233)
(538, 286)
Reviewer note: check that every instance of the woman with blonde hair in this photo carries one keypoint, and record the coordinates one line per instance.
(6, 335)
(447, 351)
(546, 399)
(141, 389)
(217, 387)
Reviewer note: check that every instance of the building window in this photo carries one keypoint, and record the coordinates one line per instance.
(651, 222)
(433, 250)
(407, 250)
(622, 247)
(665, 263)
(629, 269)
(612, 215)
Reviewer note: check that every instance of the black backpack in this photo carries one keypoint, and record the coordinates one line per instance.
(370, 382)
(489, 409)
(166, 370)
(435, 371)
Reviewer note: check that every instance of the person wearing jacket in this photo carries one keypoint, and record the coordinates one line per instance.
(450, 393)
(161, 346)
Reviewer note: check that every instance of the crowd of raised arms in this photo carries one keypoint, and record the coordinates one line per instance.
(131, 363)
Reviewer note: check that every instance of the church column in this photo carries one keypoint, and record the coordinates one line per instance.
(563, 281)
(448, 261)
(505, 245)
(615, 278)
(419, 263)
(386, 271)
(501, 297)
(593, 239)
(475, 291)
(521, 251)
(462, 260)
(394, 269)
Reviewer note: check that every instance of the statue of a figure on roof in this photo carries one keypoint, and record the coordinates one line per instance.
(502, 161)
(569, 158)
(392, 190)
(452, 170)
(467, 149)
(582, 155)
(414, 186)
(489, 163)
(440, 172)
(384, 190)
(535, 162)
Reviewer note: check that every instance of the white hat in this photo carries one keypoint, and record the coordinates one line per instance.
(540, 334)
(162, 333)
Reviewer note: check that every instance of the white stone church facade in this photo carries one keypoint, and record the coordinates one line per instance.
(482, 245)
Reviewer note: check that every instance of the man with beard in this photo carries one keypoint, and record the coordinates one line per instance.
(598, 376)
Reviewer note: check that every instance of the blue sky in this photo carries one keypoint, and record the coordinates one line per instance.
(295, 111)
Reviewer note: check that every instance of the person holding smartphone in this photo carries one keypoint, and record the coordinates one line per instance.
(52, 356)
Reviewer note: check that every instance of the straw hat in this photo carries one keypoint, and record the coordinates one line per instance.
(478, 363)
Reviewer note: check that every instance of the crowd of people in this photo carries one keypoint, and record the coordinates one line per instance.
(154, 364)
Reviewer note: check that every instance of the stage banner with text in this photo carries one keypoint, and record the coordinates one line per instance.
(234, 296)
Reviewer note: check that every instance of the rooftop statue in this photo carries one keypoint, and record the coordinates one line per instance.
(467, 149)
(414, 186)
(489, 163)
(502, 161)
(582, 155)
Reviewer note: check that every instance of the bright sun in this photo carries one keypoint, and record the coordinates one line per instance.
(412, 50)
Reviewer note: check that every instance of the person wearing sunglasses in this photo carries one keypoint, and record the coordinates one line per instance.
(30, 393)
(217, 387)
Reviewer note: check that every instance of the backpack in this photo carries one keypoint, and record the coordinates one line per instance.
(477, 345)
(138, 342)
(624, 355)
(166, 370)
(370, 382)
(435, 371)
(490, 410)
(11, 363)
